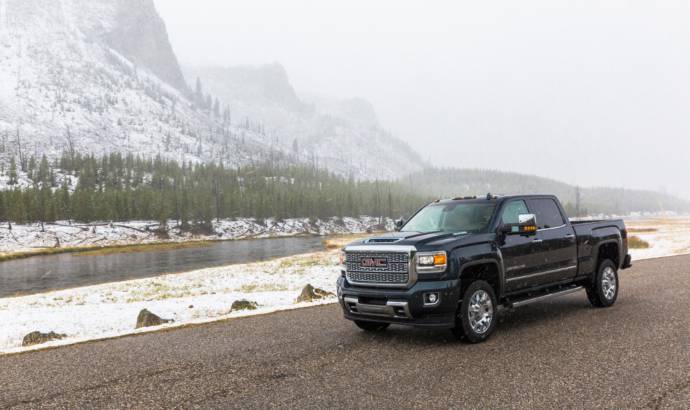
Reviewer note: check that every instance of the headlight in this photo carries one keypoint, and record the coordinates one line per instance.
(342, 259)
(432, 261)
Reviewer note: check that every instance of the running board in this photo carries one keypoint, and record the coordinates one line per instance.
(544, 297)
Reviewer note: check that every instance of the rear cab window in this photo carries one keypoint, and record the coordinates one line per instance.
(547, 212)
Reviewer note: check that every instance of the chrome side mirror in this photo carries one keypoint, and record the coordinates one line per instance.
(527, 225)
(399, 223)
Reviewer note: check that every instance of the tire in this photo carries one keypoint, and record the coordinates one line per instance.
(371, 326)
(477, 314)
(603, 291)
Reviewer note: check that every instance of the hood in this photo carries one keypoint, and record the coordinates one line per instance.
(424, 241)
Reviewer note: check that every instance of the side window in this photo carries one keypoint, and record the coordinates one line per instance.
(512, 210)
(547, 212)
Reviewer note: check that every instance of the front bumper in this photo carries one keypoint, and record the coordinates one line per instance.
(401, 306)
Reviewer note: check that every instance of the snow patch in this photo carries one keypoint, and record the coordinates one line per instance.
(110, 310)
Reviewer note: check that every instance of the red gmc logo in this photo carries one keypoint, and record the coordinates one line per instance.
(373, 262)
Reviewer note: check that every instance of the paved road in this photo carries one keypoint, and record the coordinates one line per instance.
(557, 354)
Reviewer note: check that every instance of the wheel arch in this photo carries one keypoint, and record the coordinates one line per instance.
(488, 270)
(608, 249)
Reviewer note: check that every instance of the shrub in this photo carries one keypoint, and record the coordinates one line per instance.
(635, 242)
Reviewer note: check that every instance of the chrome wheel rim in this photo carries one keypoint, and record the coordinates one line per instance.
(608, 283)
(480, 311)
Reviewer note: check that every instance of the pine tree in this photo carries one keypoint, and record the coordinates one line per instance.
(216, 108)
(199, 93)
(13, 172)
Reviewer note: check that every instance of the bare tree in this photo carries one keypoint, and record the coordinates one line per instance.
(22, 160)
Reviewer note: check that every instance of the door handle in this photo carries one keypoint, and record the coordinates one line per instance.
(538, 241)
(570, 235)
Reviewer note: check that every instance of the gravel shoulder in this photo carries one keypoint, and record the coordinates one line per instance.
(555, 354)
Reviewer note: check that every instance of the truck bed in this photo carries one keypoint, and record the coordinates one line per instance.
(592, 233)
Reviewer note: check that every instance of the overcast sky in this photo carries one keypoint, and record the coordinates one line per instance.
(592, 93)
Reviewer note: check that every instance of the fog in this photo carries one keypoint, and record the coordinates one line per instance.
(591, 93)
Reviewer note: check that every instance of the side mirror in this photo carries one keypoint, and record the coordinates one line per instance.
(399, 224)
(527, 225)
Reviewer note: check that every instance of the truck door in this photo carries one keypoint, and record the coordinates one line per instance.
(519, 257)
(555, 245)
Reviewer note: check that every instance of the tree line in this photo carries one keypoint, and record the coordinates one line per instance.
(118, 187)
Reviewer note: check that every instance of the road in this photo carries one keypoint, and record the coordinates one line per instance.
(555, 354)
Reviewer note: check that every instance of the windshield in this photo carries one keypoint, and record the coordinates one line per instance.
(453, 217)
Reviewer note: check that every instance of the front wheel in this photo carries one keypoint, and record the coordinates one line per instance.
(371, 326)
(476, 316)
(603, 291)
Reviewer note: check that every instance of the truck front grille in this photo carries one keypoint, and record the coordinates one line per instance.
(382, 268)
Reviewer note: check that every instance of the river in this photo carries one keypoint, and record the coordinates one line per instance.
(43, 273)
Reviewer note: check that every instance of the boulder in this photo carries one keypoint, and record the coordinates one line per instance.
(243, 305)
(146, 319)
(37, 338)
(310, 294)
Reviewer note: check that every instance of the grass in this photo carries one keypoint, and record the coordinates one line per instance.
(337, 242)
(635, 242)
(44, 251)
(147, 247)
(642, 230)
(264, 287)
(104, 250)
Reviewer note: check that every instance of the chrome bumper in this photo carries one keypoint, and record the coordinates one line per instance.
(392, 309)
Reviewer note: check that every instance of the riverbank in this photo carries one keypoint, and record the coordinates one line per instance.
(107, 250)
(22, 241)
(111, 309)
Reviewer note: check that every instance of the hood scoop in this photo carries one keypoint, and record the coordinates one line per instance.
(383, 240)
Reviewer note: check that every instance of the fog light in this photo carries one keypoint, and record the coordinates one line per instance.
(431, 298)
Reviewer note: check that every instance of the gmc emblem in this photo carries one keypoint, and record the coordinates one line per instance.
(373, 262)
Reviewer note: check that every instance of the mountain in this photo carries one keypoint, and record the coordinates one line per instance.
(100, 76)
(448, 182)
(343, 135)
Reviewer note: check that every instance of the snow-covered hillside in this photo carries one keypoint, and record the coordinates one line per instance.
(69, 80)
(98, 76)
(342, 135)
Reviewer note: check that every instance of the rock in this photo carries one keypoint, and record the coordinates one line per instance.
(146, 319)
(191, 306)
(310, 294)
(37, 338)
(244, 305)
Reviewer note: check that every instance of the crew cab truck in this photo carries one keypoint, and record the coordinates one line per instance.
(456, 261)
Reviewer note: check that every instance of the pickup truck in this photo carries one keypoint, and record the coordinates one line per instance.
(455, 262)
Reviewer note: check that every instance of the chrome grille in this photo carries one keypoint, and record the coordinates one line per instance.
(383, 278)
(395, 272)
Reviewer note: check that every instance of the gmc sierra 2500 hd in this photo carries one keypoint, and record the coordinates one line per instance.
(457, 260)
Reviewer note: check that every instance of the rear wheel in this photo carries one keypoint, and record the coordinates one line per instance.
(476, 316)
(371, 326)
(603, 291)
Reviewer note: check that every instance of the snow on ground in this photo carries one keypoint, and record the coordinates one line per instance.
(666, 236)
(205, 295)
(109, 310)
(27, 238)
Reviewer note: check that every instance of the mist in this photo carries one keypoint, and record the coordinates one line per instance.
(588, 93)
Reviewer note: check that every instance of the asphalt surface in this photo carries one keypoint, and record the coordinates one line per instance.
(556, 354)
